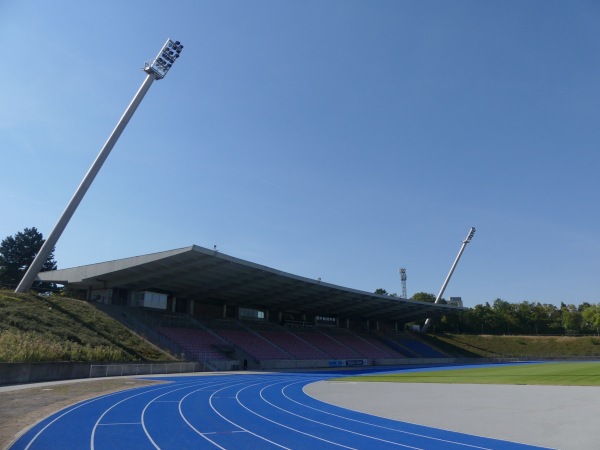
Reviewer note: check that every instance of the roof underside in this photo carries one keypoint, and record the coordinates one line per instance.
(198, 273)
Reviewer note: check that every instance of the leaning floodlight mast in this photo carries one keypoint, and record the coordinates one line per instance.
(460, 252)
(156, 70)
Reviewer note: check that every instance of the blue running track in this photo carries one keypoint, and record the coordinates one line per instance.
(242, 411)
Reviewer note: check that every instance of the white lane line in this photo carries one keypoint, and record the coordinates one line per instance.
(378, 426)
(239, 426)
(118, 424)
(225, 432)
(214, 396)
(34, 438)
(93, 434)
(229, 383)
(282, 425)
(80, 405)
(203, 383)
(205, 434)
(329, 425)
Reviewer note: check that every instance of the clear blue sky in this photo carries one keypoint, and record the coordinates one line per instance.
(337, 139)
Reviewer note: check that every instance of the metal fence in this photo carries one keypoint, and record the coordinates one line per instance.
(121, 370)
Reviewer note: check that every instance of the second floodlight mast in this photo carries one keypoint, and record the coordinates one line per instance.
(156, 70)
(403, 280)
(460, 252)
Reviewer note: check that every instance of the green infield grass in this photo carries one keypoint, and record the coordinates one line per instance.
(556, 374)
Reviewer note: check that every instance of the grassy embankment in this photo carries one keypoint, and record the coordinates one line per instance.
(40, 329)
(488, 346)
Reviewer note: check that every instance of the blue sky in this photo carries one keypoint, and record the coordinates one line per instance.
(332, 139)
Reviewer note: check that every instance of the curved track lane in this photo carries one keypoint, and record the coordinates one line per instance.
(250, 411)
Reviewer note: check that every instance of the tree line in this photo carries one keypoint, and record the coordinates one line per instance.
(526, 317)
(503, 317)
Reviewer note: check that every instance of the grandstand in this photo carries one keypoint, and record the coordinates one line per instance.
(220, 310)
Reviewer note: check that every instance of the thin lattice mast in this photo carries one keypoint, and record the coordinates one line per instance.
(403, 279)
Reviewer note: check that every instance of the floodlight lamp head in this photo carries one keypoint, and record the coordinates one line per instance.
(167, 56)
(470, 236)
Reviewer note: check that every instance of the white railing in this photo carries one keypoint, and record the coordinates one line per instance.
(121, 370)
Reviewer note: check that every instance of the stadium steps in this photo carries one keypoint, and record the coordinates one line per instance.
(414, 347)
(138, 323)
(371, 347)
(202, 344)
(252, 343)
(327, 343)
(364, 346)
(294, 345)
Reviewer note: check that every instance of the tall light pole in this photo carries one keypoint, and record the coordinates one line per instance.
(155, 70)
(460, 252)
(403, 280)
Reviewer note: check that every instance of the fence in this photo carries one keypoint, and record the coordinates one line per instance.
(120, 370)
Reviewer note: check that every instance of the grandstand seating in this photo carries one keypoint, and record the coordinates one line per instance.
(253, 344)
(417, 348)
(271, 341)
(368, 347)
(201, 344)
(294, 345)
(327, 344)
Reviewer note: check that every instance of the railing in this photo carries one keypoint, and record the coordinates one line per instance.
(121, 370)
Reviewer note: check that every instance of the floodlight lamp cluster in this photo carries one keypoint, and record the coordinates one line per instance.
(470, 236)
(164, 60)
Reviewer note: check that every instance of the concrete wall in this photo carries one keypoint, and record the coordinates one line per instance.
(20, 373)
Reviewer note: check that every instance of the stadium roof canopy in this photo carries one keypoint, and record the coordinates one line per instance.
(199, 273)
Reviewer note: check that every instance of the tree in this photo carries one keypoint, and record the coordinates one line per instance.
(570, 318)
(16, 255)
(381, 291)
(487, 319)
(424, 297)
(591, 316)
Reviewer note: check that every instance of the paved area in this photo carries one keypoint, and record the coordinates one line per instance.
(562, 417)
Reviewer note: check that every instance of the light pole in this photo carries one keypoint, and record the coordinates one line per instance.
(460, 252)
(155, 70)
